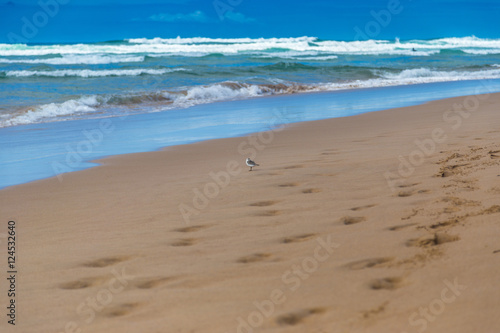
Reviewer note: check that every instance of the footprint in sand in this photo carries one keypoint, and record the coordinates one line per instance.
(294, 318)
(348, 220)
(311, 190)
(149, 283)
(442, 238)
(253, 258)
(408, 185)
(298, 238)
(104, 262)
(185, 242)
(119, 310)
(413, 213)
(491, 210)
(459, 202)
(401, 226)
(82, 283)
(264, 203)
(496, 251)
(289, 185)
(404, 194)
(443, 224)
(388, 283)
(494, 154)
(363, 207)
(494, 190)
(450, 170)
(445, 174)
(375, 311)
(269, 213)
(437, 239)
(192, 228)
(369, 263)
(296, 166)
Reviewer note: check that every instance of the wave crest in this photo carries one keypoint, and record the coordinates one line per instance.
(275, 47)
(87, 73)
(53, 110)
(114, 105)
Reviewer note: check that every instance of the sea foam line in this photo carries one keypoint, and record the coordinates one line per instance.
(76, 60)
(202, 46)
(224, 91)
(86, 73)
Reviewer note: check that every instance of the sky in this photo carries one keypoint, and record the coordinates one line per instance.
(72, 21)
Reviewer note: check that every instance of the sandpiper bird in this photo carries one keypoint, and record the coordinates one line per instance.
(251, 164)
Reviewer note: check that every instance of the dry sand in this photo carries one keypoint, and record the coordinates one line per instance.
(325, 236)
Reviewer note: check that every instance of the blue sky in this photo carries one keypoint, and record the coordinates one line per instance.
(104, 20)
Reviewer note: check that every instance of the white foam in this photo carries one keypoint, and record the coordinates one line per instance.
(236, 90)
(53, 110)
(201, 46)
(426, 75)
(92, 73)
(218, 92)
(77, 59)
(330, 57)
(203, 40)
(482, 52)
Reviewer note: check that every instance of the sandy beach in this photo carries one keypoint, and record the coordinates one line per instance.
(381, 222)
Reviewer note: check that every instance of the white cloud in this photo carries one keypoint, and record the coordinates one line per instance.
(197, 16)
(238, 17)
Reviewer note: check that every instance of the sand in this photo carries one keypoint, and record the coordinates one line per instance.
(348, 225)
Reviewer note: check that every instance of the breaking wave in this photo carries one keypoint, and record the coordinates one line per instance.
(225, 91)
(260, 46)
(86, 73)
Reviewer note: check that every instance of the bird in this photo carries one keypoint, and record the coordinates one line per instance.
(251, 164)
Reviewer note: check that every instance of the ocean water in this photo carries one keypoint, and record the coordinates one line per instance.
(47, 83)
(160, 92)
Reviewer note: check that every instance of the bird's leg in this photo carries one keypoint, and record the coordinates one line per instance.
(250, 169)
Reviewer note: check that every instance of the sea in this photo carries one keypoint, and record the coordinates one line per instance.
(160, 92)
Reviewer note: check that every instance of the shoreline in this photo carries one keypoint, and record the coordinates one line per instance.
(313, 239)
(270, 104)
(284, 95)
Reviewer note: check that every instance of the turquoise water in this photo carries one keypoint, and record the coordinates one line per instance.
(58, 82)
(36, 151)
(62, 105)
